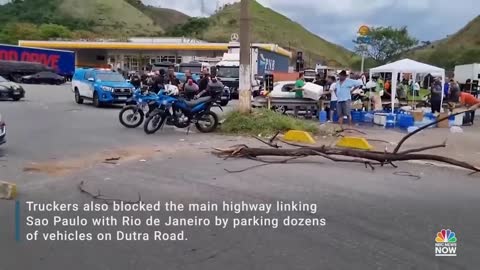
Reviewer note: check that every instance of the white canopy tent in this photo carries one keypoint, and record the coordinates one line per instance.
(407, 66)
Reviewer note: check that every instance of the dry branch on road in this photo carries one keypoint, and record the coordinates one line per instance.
(368, 158)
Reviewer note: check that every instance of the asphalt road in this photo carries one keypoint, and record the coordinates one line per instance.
(374, 220)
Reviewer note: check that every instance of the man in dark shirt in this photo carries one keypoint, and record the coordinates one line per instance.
(172, 79)
(158, 81)
(436, 95)
(204, 81)
(188, 76)
(136, 81)
(214, 87)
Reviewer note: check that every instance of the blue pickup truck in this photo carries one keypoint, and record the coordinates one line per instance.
(101, 86)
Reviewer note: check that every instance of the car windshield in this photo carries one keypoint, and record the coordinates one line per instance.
(3, 79)
(228, 72)
(110, 77)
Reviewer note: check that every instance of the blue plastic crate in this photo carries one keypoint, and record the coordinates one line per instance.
(357, 116)
(405, 120)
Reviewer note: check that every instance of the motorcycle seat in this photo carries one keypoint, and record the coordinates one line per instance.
(193, 103)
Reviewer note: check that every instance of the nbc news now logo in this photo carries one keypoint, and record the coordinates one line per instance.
(445, 243)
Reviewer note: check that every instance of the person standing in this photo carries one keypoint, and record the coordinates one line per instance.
(332, 82)
(300, 82)
(446, 87)
(190, 89)
(171, 78)
(380, 85)
(343, 91)
(202, 85)
(465, 99)
(436, 95)
(156, 82)
(214, 87)
(188, 76)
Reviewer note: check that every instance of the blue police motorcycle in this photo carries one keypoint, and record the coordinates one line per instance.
(182, 113)
(139, 107)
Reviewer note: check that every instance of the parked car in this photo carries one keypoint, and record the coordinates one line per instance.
(3, 131)
(283, 89)
(101, 86)
(46, 77)
(14, 70)
(10, 90)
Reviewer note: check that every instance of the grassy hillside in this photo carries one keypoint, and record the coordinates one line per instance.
(462, 47)
(163, 17)
(272, 27)
(111, 14)
(83, 19)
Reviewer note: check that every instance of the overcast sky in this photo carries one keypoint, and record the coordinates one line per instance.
(338, 20)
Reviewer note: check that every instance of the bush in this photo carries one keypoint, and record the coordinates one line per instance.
(13, 32)
(264, 122)
(49, 31)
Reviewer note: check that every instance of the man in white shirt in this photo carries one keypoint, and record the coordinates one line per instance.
(331, 81)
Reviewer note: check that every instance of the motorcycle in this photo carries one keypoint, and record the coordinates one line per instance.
(138, 107)
(182, 113)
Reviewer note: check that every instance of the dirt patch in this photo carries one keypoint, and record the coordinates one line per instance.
(113, 157)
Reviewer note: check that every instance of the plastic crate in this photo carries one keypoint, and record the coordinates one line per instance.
(405, 120)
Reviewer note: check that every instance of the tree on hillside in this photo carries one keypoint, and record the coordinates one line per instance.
(387, 43)
(194, 27)
(52, 31)
(13, 32)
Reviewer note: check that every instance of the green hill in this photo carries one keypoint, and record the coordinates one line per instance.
(46, 19)
(111, 14)
(86, 18)
(462, 47)
(269, 27)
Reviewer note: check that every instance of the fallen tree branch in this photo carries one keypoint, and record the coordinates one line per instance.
(368, 158)
(366, 162)
(265, 163)
(105, 199)
(323, 151)
(270, 141)
(350, 129)
(408, 174)
(416, 150)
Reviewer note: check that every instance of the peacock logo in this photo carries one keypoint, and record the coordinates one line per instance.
(446, 236)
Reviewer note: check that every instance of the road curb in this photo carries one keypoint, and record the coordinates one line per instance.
(8, 191)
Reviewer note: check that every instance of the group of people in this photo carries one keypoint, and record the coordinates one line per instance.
(456, 96)
(190, 88)
(340, 91)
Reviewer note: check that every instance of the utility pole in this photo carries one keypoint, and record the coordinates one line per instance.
(363, 57)
(245, 102)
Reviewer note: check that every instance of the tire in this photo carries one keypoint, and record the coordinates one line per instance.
(16, 98)
(212, 126)
(223, 103)
(96, 101)
(78, 98)
(282, 109)
(157, 125)
(129, 111)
